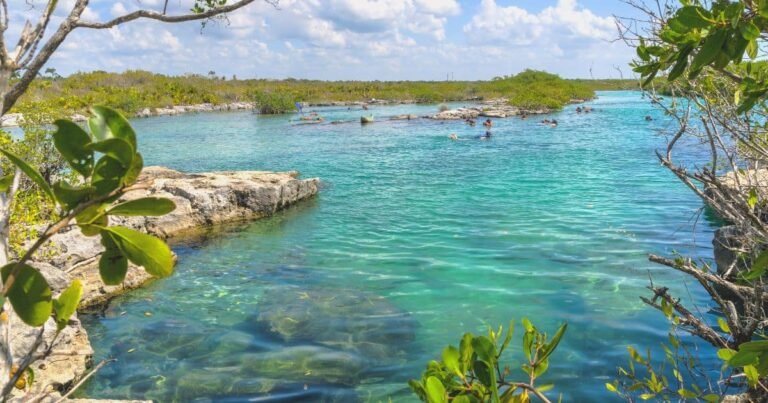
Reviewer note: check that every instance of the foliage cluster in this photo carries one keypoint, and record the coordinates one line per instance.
(88, 202)
(709, 55)
(474, 372)
(271, 103)
(131, 91)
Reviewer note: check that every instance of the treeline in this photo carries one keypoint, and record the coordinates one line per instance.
(132, 91)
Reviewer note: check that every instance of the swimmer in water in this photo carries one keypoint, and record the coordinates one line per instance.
(453, 137)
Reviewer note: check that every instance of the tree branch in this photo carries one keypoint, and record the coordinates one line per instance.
(154, 15)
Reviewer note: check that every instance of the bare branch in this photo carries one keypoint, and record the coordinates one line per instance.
(154, 15)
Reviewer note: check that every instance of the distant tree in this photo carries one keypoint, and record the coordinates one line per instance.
(51, 73)
(211, 74)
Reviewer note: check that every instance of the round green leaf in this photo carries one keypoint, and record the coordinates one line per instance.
(107, 175)
(451, 360)
(435, 390)
(66, 305)
(143, 250)
(116, 148)
(109, 123)
(133, 172)
(71, 141)
(29, 295)
(113, 264)
(147, 206)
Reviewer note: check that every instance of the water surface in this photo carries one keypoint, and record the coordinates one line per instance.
(414, 240)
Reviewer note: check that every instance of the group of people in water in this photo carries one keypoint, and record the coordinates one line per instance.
(488, 124)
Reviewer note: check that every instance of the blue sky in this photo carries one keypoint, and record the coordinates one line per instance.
(356, 39)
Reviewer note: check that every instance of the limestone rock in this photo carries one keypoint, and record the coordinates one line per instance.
(144, 113)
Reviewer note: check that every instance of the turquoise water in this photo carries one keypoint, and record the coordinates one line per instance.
(414, 240)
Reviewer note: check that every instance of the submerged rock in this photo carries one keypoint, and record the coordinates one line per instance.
(347, 320)
(305, 364)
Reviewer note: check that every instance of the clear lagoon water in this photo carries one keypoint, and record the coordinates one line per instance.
(414, 240)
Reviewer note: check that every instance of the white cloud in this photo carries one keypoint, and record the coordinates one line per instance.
(353, 39)
(517, 26)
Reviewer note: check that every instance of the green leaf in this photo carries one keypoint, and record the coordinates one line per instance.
(710, 48)
(508, 337)
(686, 394)
(133, 172)
(29, 295)
(6, 182)
(66, 305)
(466, 351)
(482, 372)
(461, 399)
(758, 266)
(550, 348)
(116, 148)
(611, 388)
(545, 388)
(451, 360)
(760, 346)
(541, 367)
(752, 49)
(725, 354)
(743, 358)
(752, 376)
(527, 325)
(712, 398)
(418, 389)
(484, 349)
(108, 123)
(70, 196)
(435, 390)
(147, 206)
(678, 69)
(647, 396)
(92, 219)
(31, 172)
(694, 17)
(752, 199)
(108, 175)
(143, 250)
(749, 31)
(71, 141)
(113, 264)
(723, 325)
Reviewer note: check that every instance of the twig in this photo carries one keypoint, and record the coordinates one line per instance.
(85, 378)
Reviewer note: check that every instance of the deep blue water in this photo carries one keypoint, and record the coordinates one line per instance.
(414, 240)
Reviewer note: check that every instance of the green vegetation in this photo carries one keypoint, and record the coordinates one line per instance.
(132, 91)
(473, 372)
(707, 54)
(87, 203)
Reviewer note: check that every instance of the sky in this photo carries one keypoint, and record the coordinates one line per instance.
(353, 39)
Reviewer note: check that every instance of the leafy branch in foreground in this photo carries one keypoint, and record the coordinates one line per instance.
(710, 53)
(88, 203)
(473, 372)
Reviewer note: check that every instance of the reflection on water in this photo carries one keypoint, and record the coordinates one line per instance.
(415, 240)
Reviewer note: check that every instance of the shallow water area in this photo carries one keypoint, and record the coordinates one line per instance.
(414, 240)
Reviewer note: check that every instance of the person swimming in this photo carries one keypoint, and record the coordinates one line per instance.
(488, 126)
(453, 136)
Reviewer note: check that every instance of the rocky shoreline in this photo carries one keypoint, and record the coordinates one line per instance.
(202, 200)
(495, 108)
